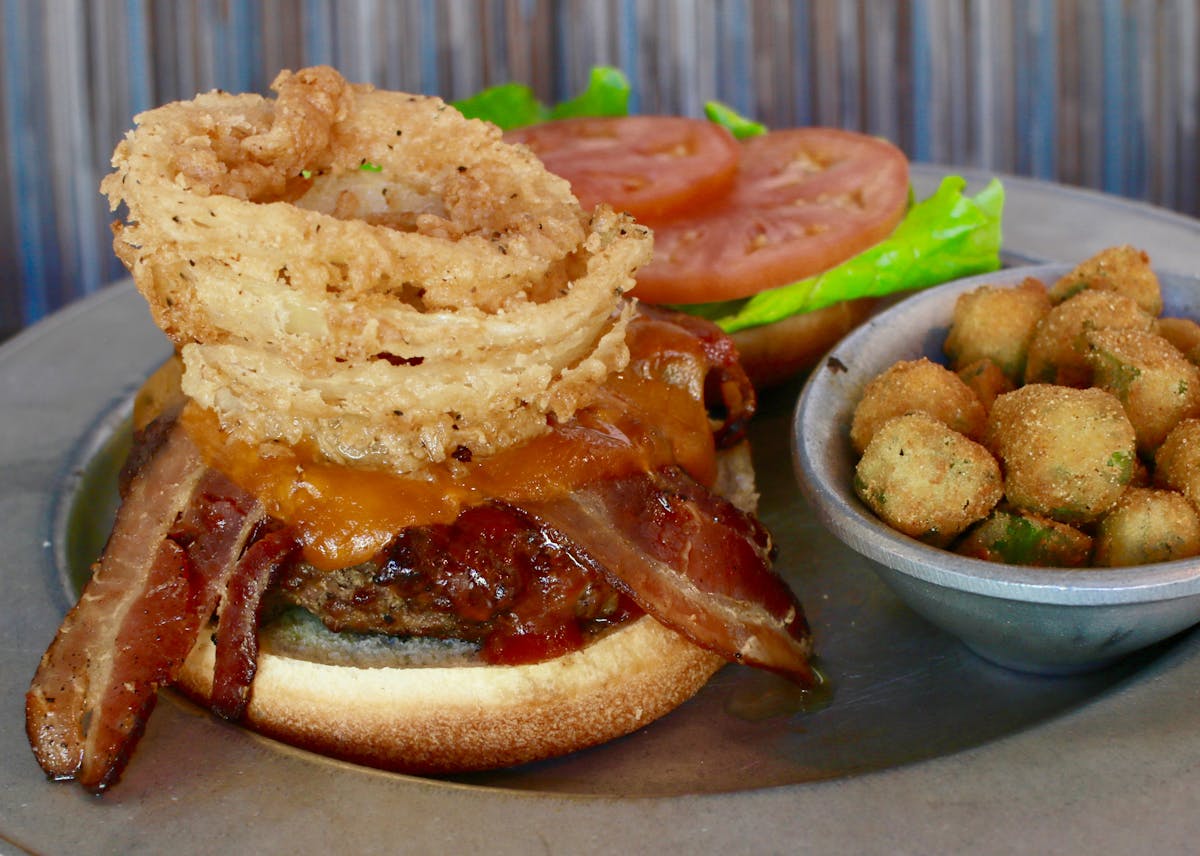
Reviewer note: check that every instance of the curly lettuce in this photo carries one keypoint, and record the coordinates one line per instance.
(947, 236)
(513, 105)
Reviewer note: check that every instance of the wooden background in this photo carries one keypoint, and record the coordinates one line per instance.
(1096, 93)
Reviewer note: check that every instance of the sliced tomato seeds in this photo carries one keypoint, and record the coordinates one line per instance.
(730, 219)
(648, 166)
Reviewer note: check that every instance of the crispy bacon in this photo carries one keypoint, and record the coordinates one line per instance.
(693, 561)
(237, 627)
(179, 552)
(728, 392)
(178, 532)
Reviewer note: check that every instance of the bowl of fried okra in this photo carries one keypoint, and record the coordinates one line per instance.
(1018, 453)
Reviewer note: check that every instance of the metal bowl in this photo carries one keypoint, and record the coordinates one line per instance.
(1045, 620)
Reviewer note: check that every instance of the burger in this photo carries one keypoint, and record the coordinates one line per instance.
(785, 238)
(423, 487)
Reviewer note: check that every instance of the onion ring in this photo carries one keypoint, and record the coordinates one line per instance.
(369, 271)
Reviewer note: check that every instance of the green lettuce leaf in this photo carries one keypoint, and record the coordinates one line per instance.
(607, 94)
(509, 105)
(513, 105)
(732, 121)
(947, 236)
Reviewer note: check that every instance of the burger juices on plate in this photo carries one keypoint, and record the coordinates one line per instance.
(424, 489)
(785, 238)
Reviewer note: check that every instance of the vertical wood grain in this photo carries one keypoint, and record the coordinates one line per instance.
(1098, 93)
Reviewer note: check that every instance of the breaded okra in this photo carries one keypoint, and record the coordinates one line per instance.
(1067, 453)
(926, 480)
(1155, 383)
(1058, 350)
(1123, 270)
(1018, 537)
(912, 386)
(1147, 525)
(1177, 460)
(996, 323)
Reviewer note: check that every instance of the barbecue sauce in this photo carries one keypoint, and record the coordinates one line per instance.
(493, 576)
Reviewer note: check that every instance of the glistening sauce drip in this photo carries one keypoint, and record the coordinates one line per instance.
(761, 695)
(644, 417)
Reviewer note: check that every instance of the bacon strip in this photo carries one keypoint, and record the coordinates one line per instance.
(691, 560)
(178, 531)
(728, 392)
(237, 627)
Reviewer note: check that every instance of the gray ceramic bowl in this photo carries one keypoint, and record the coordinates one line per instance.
(1053, 621)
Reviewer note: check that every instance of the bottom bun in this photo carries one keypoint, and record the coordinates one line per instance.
(431, 719)
(349, 699)
(775, 352)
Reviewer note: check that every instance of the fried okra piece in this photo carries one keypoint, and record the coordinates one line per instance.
(1183, 333)
(1147, 525)
(1155, 383)
(1058, 349)
(1067, 453)
(927, 480)
(986, 380)
(912, 386)
(1177, 460)
(996, 323)
(1017, 537)
(1124, 270)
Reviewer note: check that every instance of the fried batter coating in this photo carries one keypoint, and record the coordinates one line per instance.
(913, 386)
(1123, 270)
(1016, 537)
(996, 323)
(1154, 382)
(926, 480)
(986, 380)
(1067, 453)
(1147, 525)
(1058, 350)
(1183, 333)
(369, 271)
(1177, 460)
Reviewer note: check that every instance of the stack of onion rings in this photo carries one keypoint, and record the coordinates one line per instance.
(369, 271)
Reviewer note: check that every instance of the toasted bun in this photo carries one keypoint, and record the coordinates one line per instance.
(470, 717)
(774, 352)
(431, 718)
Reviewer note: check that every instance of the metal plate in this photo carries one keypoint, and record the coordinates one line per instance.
(745, 729)
(736, 768)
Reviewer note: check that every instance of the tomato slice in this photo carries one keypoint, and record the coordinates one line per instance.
(648, 166)
(803, 200)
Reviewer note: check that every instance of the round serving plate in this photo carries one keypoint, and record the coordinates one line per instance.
(918, 744)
